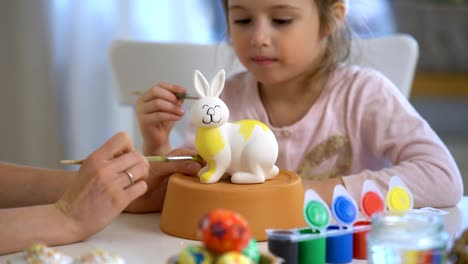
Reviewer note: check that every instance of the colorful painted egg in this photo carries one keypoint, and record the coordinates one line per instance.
(100, 256)
(195, 254)
(223, 230)
(233, 258)
(40, 253)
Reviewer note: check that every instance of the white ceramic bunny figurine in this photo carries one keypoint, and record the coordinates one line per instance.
(247, 150)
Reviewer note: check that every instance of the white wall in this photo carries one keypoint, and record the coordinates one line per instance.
(9, 124)
(27, 104)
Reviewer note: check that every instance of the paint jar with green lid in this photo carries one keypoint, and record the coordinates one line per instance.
(412, 237)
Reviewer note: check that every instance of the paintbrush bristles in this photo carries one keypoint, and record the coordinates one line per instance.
(156, 158)
(71, 162)
(187, 96)
(137, 93)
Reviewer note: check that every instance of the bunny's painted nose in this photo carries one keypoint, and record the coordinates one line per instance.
(210, 111)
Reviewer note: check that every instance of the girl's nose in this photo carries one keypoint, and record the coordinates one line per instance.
(261, 35)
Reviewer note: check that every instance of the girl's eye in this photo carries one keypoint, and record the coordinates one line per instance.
(242, 21)
(282, 21)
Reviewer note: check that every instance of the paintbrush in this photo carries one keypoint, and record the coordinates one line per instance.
(178, 95)
(149, 158)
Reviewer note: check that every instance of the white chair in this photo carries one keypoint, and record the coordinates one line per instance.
(138, 65)
(396, 56)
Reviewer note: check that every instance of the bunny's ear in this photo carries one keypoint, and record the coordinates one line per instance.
(201, 84)
(217, 84)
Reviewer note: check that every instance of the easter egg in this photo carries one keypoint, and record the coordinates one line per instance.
(99, 256)
(233, 258)
(223, 230)
(195, 254)
(40, 253)
(252, 251)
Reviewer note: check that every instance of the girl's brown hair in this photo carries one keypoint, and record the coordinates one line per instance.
(338, 46)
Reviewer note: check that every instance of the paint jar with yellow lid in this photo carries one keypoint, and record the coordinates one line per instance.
(411, 237)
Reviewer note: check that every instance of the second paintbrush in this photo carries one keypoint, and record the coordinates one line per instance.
(149, 158)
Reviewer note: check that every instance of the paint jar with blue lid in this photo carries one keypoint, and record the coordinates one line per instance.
(411, 237)
(340, 236)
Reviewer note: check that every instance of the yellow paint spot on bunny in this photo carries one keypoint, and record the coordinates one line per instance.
(206, 176)
(209, 142)
(247, 126)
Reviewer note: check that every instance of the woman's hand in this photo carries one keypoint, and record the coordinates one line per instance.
(103, 188)
(157, 110)
(158, 178)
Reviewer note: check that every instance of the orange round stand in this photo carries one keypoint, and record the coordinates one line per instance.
(277, 204)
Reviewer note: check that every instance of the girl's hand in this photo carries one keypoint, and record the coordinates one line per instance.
(158, 178)
(102, 188)
(157, 110)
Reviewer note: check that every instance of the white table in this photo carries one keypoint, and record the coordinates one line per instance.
(138, 239)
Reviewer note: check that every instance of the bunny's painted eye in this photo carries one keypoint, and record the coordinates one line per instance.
(217, 106)
(204, 106)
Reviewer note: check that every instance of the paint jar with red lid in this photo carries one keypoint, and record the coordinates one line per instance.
(372, 201)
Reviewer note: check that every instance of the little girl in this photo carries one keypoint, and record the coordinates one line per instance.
(335, 124)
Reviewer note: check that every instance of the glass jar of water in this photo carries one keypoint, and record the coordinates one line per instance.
(407, 238)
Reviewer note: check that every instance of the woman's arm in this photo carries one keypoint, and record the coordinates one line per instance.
(25, 186)
(42, 223)
(99, 193)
